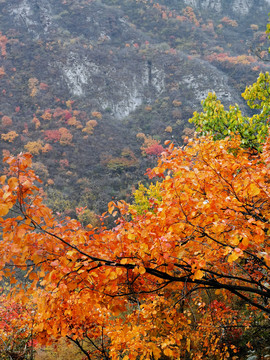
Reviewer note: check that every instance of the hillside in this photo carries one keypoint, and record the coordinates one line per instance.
(85, 84)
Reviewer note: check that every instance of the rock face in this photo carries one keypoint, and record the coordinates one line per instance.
(35, 15)
(128, 84)
(91, 63)
(235, 7)
(206, 80)
(205, 4)
(118, 82)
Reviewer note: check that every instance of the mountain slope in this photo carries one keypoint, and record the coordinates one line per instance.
(80, 79)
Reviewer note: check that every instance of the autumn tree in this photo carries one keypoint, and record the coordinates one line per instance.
(34, 147)
(65, 136)
(10, 136)
(127, 159)
(32, 84)
(150, 145)
(216, 121)
(90, 125)
(173, 270)
(52, 135)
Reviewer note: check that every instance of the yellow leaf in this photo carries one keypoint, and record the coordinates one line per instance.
(71, 253)
(235, 240)
(156, 351)
(254, 190)
(112, 275)
(188, 345)
(198, 275)
(144, 247)
(6, 195)
(168, 352)
(234, 255)
(119, 271)
(131, 236)
(141, 270)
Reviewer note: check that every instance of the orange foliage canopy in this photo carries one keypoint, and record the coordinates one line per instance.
(159, 283)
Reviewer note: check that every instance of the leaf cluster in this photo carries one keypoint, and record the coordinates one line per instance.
(216, 121)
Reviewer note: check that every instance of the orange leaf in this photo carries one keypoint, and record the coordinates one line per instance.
(111, 207)
(4, 209)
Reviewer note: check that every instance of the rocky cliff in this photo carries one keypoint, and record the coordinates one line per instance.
(237, 8)
(91, 60)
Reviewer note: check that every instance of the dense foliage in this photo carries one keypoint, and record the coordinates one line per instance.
(220, 123)
(195, 261)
